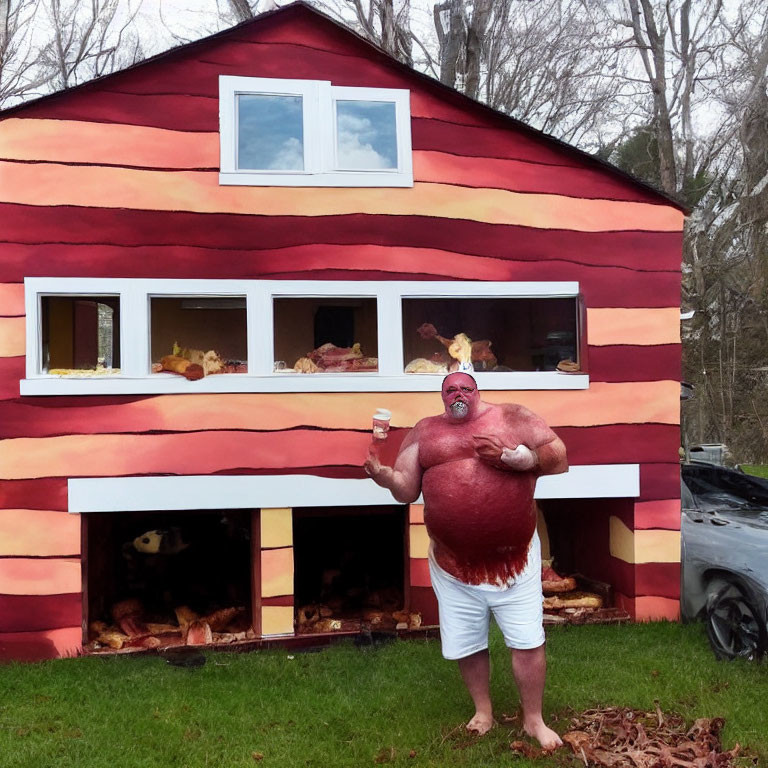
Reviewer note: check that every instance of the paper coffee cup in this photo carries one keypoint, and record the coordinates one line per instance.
(381, 423)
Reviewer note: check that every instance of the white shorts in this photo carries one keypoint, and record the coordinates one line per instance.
(465, 609)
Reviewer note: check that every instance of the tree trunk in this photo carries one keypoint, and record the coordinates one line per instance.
(241, 10)
(451, 37)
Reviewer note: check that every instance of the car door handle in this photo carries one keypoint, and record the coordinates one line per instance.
(717, 521)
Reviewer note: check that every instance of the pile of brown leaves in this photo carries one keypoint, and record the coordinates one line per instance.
(617, 737)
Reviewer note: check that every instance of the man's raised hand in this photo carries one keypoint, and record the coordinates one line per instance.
(490, 449)
(521, 458)
(372, 465)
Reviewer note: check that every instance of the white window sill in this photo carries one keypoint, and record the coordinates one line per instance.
(331, 179)
(290, 382)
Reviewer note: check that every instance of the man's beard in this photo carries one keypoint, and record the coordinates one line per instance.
(459, 409)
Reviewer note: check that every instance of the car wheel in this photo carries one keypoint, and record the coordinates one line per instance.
(734, 626)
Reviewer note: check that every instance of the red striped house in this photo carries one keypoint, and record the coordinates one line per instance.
(273, 188)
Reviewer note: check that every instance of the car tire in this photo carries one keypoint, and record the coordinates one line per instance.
(735, 628)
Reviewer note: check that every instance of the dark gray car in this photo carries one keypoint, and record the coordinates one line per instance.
(725, 557)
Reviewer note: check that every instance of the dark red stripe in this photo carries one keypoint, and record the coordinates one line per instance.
(657, 580)
(606, 288)
(622, 577)
(621, 443)
(635, 363)
(343, 472)
(601, 286)
(33, 613)
(197, 73)
(423, 601)
(647, 579)
(40, 493)
(67, 225)
(284, 600)
(12, 370)
(659, 481)
(600, 283)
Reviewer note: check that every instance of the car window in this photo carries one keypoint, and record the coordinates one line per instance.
(686, 497)
(722, 500)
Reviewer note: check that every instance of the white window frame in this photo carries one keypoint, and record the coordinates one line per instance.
(319, 99)
(135, 375)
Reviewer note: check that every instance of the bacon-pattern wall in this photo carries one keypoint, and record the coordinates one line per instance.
(119, 178)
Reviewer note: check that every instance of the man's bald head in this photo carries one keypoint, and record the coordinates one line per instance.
(456, 377)
(460, 396)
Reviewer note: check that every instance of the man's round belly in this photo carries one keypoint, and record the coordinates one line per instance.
(478, 513)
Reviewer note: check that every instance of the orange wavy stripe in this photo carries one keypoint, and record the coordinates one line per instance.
(655, 402)
(43, 184)
(38, 533)
(181, 454)
(645, 327)
(277, 572)
(19, 576)
(12, 336)
(12, 298)
(416, 514)
(72, 141)
(657, 609)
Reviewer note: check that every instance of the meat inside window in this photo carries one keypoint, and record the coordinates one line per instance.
(197, 337)
(490, 335)
(325, 335)
(80, 335)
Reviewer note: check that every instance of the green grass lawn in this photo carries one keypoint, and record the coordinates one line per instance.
(761, 470)
(398, 704)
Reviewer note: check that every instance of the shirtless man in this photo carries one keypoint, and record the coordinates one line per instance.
(476, 465)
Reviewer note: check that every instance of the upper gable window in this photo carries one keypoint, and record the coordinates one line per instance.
(309, 133)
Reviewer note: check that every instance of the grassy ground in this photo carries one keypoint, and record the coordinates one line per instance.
(399, 704)
(761, 470)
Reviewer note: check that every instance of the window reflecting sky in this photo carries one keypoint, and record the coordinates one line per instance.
(366, 136)
(270, 132)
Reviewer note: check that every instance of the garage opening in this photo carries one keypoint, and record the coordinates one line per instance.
(154, 579)
(350, 566)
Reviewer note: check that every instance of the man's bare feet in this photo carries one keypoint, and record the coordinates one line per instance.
(543, 734)
(481, 723)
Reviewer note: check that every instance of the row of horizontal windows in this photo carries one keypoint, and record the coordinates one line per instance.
(197, 336)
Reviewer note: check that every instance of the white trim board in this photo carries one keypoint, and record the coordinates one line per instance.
(325, 382)
(136, 294)
(142, 494)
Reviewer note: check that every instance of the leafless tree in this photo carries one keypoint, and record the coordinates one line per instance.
(20, 75)
(240, 9)
(727, 253)
(88, 39)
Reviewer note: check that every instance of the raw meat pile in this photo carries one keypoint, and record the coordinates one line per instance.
(615, 737)
(329, 358)
(133, 630)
